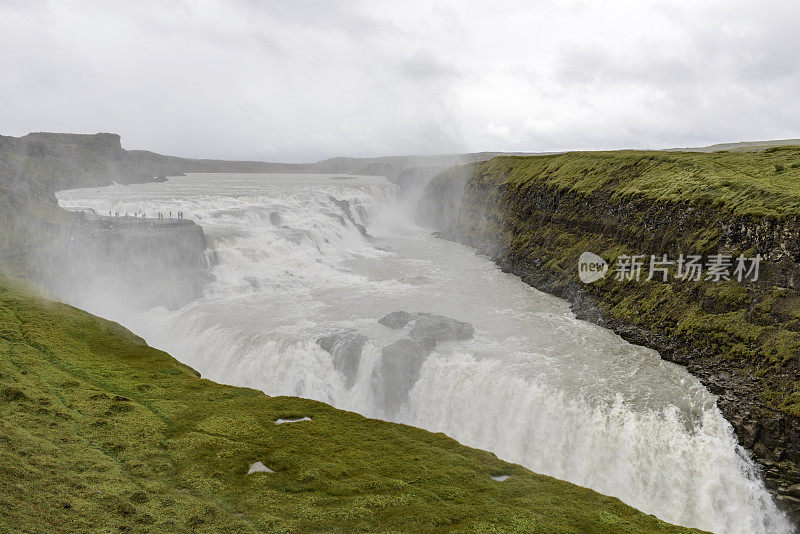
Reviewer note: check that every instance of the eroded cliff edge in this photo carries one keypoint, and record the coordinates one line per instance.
(146, 262)
(534, 216)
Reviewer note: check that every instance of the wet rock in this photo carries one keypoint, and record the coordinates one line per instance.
(151, 263)
(793, 491)
(344, 205)
(345, 348)
(253, 281)
(396, 372)
(292, 234)
(399, 366)
(396, 319)
(748, 433)
(428, 329)
(760, 450)
(790, 505)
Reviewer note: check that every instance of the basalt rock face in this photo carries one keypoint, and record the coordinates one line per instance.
(131, 263)
(63, 161)
(347, 214)
(397, 372)
(428, 329)
(740, 339)
(124, 263)
(441, 199)
(345, 348)
(34, 167)
(411, 181)
(400, 362)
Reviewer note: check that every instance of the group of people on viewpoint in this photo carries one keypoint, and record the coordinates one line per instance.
(143, 215)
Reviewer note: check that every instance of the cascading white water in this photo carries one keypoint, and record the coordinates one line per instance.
(535, 385)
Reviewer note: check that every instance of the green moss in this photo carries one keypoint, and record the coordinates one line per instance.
(100, 432)
(727, 295)
(746, 183)
(786, 402)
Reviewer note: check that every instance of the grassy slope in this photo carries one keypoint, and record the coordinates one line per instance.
(100, 431)
(756, 326)
(752, 184)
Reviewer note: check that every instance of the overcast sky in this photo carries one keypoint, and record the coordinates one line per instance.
(304, 80)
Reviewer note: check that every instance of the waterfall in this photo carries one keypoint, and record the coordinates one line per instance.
(304, 256)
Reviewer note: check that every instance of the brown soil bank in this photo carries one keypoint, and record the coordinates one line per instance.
(535, 216)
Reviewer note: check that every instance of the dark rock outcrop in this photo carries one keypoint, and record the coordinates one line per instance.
(345, 207)
(399, 366)
(397, 371)
(345, 348)
(396, 320)
(132, 263)
(441, 200)
(411, 181)
(427, 328)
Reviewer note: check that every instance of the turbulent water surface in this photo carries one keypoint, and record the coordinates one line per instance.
(535, 385)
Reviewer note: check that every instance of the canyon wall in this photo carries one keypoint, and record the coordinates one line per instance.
(83, 259)
(117, 264)
(535, 216)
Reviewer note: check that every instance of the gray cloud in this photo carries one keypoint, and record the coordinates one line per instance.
(423, 65)
(309, 79)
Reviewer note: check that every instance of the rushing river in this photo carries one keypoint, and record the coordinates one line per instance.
(535, 385)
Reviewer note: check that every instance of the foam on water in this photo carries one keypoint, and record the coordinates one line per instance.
(536, 386)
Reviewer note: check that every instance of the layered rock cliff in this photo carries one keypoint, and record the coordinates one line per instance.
(145, 262)
(535, 216)
(117, 263)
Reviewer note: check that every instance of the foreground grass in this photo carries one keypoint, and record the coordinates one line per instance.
(99, 432)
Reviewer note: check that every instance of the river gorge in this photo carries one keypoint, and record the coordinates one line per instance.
(300, 257)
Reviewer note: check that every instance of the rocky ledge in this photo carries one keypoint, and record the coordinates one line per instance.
(140, 263)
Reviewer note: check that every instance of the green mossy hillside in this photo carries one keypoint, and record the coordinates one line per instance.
(765, 183)
(99, 432)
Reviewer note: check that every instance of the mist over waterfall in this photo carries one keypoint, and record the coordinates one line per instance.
(301, 257)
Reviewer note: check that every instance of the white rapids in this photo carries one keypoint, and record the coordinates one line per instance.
(535, 385)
